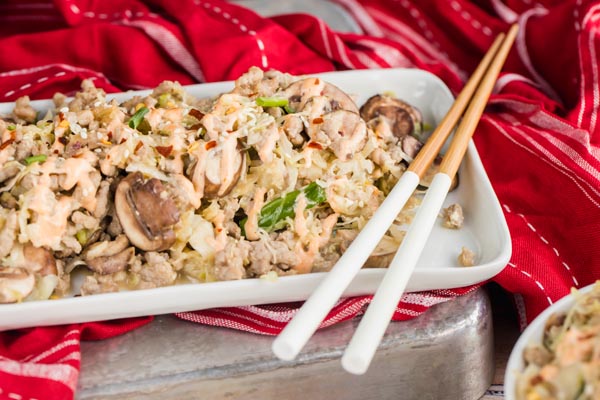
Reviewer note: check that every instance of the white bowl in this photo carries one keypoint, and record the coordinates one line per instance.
(533, 334)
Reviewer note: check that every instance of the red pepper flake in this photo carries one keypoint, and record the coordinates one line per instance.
(317, 120)
(196, 114)
(6, 144)
(56, 151)
(109, 135)
(63, 140)
(164, 150)
(195, 127)
(61, 116)
(315, 145)
(317, 81)
(138, 146)
(210, 145)
(123, 140)
(341, 133)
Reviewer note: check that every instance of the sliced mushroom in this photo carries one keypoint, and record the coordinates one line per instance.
(15, 284)
(110, 261)
(224, 166)
(146, 212)
(299, 92)
(40, 260)
(347, 131)
(411, 146)
(403, 118)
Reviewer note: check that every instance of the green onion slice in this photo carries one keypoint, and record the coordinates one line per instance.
(271, 101)
(138, 117)
(33, 159)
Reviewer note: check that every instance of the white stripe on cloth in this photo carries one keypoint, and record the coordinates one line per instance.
(560, 168)
(523, 52)
(63, 373)
(325, 39)
(537, 283)
(67, 67)
(170, 43)
(341, 48)
(423, 50)
(34, 358)
(548, 121)
(367, 60)
(550, 132)
(228, 17)
(594, 66)
(513, 77)
(361, 17)
(392, 56)
(62, 346)
(427, 300)
(551, 128)
(504, 12)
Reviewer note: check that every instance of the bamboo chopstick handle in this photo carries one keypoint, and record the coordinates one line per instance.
(437, 139)
(467, 126)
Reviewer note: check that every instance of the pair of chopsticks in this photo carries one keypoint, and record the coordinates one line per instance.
(364, 343)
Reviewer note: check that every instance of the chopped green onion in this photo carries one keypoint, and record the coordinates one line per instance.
(273, 215)
(271, 101)
(33, 159)
(138, 117)
(288, 109)
(11, 127)
(82, 236)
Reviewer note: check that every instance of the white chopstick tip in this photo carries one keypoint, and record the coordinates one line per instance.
(355, 365)
(283, 350)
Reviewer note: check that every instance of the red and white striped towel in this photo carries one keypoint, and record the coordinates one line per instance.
(538, 139)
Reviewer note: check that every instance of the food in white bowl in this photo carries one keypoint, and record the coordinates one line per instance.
(558, 356)
(276, 176)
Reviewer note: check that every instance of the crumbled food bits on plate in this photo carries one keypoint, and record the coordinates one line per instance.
(466, 258)
(453, 216)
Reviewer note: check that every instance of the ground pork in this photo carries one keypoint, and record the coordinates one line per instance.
(230, 262)
(23, 112)
(453, 217)
(157, 271)
(264, 257)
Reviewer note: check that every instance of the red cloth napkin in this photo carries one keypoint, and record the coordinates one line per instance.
(538, 139)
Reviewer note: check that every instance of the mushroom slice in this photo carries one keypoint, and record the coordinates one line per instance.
(347, 131)
(411, 146)
(146, 212)
(40, 260)
(224, 166)
(403, 118)
(15, 284)
(299, 92)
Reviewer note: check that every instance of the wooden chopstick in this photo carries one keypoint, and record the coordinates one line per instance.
(434, 143)
(306, 321)
(366, 339)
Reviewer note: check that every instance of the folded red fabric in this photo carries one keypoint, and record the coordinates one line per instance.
(538, 139)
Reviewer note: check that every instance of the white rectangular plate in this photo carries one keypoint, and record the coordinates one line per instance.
(485, 231)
